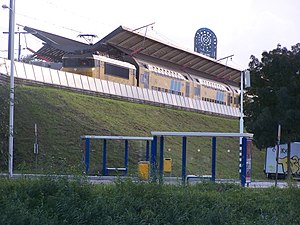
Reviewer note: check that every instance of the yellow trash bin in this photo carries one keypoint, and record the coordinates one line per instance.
(144, 170)
(167, 165)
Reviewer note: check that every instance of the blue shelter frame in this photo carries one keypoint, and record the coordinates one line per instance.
(184, 136)
(105, 169)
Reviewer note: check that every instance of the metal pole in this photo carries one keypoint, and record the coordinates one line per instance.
(241, 118)
(153, 158)
(87, 156)
(12, 85)
(104, 159)
(183, 170)
(244, 161)
(126, 158)
(277, 153)
(161, 158)
(213, 159)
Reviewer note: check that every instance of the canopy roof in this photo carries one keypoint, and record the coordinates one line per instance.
(139, 46)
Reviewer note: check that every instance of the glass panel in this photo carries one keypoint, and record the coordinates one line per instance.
(117, 89)
(70, 80)
(155, 96)
(29, 72)
(140, 93)
(146, 96)
(98, 85)
(39, 73)
(105, 86)
(3, 67)
(63, 78)
(160, 97)
(123, 90)
(20, 72)
(85, 83)
(129, 91)
(77, 80)
(150, 93)
(55, 78)
(47, 75)
(111, 88)
(178, 100)
(174, 99)
(92, 84)
(134, 91)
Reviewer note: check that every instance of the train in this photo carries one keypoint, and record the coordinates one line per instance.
(137, 72)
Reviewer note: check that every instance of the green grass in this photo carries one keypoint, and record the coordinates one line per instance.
(46, 201)
(63, 116)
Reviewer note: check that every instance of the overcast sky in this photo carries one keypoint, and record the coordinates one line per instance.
(242, 27)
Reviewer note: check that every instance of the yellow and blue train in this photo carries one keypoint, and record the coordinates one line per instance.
(137, 72)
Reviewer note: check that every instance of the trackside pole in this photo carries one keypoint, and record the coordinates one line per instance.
(183, 159)
(87, 155)
(104, 159)
(147, 151)
(244, 161)
(126, 158)
(213, 159)
(153, 158)
(161, 158)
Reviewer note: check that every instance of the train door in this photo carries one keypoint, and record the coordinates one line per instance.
(145, 79)
(187, 89)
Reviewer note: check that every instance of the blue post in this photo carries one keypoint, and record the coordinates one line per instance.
(147, 151)
(244, 159)
(161, 158)
(104, 173)
(183, 171)
(87, 155)
(213, 159)
(126, 158)
(153, 158)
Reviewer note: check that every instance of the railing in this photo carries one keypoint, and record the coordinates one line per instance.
(60, 78)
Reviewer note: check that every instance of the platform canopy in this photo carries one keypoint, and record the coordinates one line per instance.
(55, 46)
(140, 46)
(143, 47)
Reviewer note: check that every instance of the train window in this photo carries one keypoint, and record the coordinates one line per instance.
(114, 70)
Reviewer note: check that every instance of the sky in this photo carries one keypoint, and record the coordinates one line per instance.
(243, 27)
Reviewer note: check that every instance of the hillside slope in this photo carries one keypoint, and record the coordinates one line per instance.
(63, 116)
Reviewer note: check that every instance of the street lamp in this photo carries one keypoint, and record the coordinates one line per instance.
(12, 84)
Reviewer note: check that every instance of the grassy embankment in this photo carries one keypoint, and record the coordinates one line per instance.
(63, 116)
(46, 201)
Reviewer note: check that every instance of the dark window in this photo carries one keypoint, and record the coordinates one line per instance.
(77, 62)
(118, 71)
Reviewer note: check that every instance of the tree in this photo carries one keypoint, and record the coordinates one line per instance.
(274, 97)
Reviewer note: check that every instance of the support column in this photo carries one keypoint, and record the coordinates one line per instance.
(183, 170)
(161, 158)
(153, 159)
(244, 159)
(126, 158)
(87, 156)
(213, 159)
(104, 172)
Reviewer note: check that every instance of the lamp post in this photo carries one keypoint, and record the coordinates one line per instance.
(245, 80)
(12, 84)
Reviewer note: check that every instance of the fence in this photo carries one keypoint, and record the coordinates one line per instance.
(75, 81)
